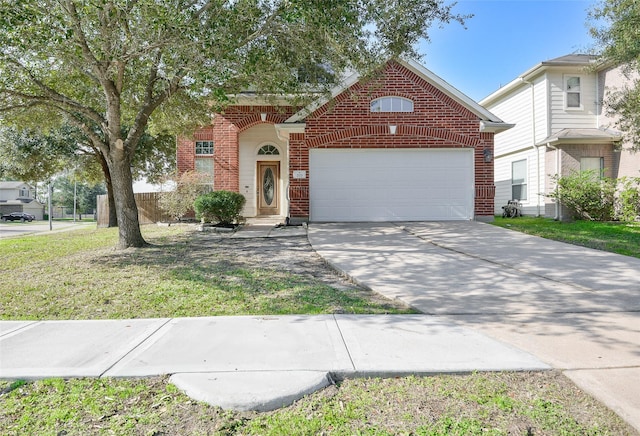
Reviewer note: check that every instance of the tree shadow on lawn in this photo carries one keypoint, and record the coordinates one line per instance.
(212, 275)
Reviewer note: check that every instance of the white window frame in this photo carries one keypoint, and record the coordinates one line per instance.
(391, 103)
(524, 182)
(210, 171)
(204, 148)
(566, 80)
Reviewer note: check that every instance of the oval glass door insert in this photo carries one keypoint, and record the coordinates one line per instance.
(268, 185)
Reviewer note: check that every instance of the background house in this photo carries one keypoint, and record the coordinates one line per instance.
(404, 145)
(19, 197)
(561, 125)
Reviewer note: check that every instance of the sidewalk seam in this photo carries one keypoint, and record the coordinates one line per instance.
(132, 349)
(19, 329)
(344, 342)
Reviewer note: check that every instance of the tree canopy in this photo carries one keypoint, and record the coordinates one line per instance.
(616, 31)
(115, 69)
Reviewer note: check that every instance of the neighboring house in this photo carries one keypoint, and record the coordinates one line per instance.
(403, 146)
(561, 126)
(19, 197)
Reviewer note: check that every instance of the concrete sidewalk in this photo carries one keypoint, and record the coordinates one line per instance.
(248, 362)
(574, 308)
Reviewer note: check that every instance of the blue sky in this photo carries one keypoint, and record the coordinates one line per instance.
(504, 39)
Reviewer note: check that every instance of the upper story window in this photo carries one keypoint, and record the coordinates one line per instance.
(572, 88)
(204, 147)
(391, 104)
(268, 150)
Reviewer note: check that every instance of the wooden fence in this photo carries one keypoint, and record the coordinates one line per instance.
(149, 210)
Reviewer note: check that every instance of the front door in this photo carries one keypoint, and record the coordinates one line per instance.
(268, 182)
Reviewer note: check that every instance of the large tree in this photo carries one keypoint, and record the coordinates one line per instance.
(152, 64)
(616, 27)
(35, 156)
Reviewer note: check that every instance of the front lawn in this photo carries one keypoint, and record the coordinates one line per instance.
(78, 275)
(616, 237)
(492, 404)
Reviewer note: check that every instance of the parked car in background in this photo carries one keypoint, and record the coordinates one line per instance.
(18, 216)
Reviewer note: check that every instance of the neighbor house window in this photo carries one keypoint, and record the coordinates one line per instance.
(573, 92)
(392, 104)
(595, 164)
(519, 180)
(23, 193)
(204, 147)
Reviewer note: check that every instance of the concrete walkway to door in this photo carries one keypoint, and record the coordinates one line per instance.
(575, 308)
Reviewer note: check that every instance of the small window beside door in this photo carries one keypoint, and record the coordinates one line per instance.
(204, 147)
(519, 180)
(205, 167)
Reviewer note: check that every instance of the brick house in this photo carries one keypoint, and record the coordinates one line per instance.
(403, 146)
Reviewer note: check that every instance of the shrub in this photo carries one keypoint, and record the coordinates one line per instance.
(188, 186)
(628, 204)
(223, 207)
(587, 195)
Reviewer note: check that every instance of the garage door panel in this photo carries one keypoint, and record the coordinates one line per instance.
(391, 184)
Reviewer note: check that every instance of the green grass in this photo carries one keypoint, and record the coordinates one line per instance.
(475, 404)
(616, 237)
(77, 275)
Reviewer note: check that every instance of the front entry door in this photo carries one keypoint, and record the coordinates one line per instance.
(268, 182)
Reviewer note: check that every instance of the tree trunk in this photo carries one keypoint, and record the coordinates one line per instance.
(125, 204)
(113, 217)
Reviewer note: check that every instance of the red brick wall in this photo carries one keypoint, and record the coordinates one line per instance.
(437, 122)
(347, 122)
(224, 131)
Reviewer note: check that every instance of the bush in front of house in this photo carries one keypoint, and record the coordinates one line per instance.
(594, 198)
(221, 207)
(587, 195)
(628, 204)
(188, 186)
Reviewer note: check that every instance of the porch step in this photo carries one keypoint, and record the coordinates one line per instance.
(271, 220)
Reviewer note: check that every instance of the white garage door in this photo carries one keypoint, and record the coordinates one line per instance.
(391, 184)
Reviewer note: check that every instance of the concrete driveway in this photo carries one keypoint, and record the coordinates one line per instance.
(574, 308)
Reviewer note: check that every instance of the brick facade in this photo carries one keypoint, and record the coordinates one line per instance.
(223, 131)
(438, 121)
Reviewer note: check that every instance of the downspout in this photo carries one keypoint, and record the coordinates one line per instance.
(558, 214)
(533, 132)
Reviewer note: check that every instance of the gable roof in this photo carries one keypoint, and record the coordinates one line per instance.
(577, 61)
(14, 185)
(491, 120)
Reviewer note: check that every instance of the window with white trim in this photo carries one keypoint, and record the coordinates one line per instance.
(391, 104)
(205, 166)
(268, 150)
(204, 147)
(573, 93)
(23, 193)
(519, 180)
